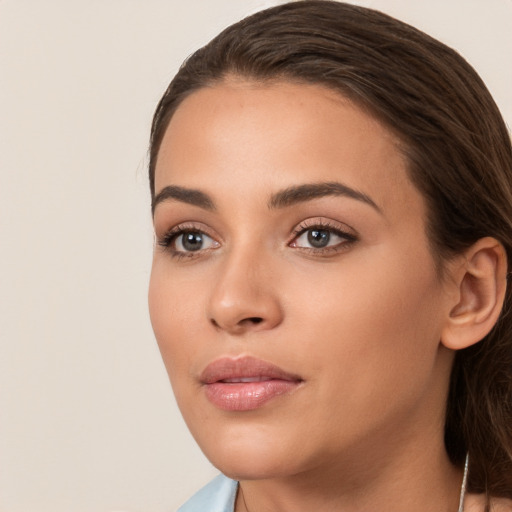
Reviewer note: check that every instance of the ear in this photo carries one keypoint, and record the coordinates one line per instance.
(481, 282)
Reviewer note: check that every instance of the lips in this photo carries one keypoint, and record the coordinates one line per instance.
(246, 383)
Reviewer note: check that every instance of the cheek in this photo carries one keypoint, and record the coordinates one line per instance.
(173, 318)
(370, 323)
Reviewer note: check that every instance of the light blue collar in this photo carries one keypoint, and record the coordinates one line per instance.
(217, 496)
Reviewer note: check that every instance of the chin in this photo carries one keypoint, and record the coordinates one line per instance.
(252, 465)
(246, 455)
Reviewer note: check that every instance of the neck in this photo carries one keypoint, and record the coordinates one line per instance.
(420, 479)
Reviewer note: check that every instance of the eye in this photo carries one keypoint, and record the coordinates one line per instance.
(317, 238)
(321, 237)
(192, 241)
(184, 241)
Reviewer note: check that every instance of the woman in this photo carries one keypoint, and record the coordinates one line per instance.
(332, 203)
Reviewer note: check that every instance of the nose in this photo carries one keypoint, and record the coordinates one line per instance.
(245, 298)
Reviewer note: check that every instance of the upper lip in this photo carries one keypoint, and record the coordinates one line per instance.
(243, 367)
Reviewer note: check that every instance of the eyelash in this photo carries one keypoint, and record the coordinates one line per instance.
(324, 225)
(169, 239)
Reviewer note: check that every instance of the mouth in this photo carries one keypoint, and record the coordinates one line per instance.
(245, 383)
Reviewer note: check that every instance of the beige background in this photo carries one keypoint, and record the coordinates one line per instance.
(87, 419)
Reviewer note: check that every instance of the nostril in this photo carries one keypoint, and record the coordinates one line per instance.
(237, 325)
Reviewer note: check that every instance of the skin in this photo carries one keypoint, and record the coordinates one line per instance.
(359, 321)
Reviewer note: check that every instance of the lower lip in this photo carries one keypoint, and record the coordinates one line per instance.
(247, 396)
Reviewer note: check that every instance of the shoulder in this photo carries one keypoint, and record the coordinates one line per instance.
(476, 503)
(217, 496)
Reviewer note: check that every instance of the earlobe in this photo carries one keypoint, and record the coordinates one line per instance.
(481, 282)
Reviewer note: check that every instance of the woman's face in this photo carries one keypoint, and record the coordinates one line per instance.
(293, 293)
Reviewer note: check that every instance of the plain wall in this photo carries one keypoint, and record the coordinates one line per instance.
(87, 418)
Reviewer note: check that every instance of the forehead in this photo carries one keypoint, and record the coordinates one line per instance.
(281, 133)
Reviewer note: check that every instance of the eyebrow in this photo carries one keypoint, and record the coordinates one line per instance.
(307, 192)
(283, 199)
(184, 195)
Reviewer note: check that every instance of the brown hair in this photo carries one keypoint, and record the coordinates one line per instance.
(459, 155)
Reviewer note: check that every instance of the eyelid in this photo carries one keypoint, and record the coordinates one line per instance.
(338, 228)
(324, 223)
(346, 232)
(166, 239)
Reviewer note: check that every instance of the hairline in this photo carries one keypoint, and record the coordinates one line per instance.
(440, 254)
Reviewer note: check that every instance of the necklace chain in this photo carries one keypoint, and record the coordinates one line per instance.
(463, 486)
(461, 497)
